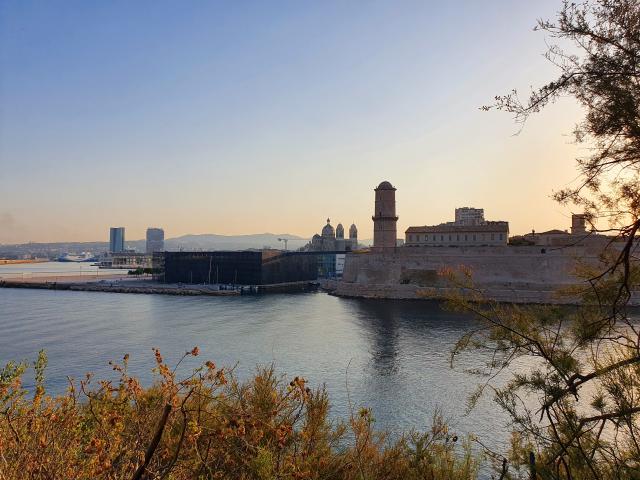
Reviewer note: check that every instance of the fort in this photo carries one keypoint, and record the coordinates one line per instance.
(528, 273)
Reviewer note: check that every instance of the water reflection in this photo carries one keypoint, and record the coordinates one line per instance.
(381, 326)
(400, 329)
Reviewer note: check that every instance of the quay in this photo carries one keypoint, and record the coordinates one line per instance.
(121, 284)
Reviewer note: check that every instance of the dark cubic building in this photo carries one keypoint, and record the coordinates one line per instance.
(265, 267)
(155, 240)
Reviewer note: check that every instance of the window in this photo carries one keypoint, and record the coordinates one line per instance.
(501, 237)
(449, 237)
(493, 237)
(457, 238)
(411, 238)
(466, 238)
(474, 237)
(442, 238)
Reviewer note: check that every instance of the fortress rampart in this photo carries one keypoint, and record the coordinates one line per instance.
(525, 274)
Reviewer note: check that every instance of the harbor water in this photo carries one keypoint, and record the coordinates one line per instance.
(390, 356)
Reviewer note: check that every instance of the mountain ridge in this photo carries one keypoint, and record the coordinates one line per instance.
(202, 241)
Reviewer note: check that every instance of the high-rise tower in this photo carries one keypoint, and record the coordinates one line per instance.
(116, 239)
(385, 218)
(155, 240)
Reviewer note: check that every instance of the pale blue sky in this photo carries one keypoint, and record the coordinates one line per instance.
(247, 117)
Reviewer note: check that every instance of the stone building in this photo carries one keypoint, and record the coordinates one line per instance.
(559, 238)
(128, 260)
(469, 229)
(578, 224)
(332, 264)
(332, 240)
(469, 216)
(384, 218)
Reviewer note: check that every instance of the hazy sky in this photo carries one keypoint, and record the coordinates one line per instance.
(251, 117)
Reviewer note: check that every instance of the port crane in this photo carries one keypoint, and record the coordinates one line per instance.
(285, 240)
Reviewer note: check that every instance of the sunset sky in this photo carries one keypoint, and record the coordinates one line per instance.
(252, 117)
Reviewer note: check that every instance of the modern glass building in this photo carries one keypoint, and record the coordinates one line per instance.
(116, 239)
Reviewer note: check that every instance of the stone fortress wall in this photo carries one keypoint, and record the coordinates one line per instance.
(527, 274)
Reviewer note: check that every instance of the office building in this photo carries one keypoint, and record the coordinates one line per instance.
(116, 240)
(155, 240)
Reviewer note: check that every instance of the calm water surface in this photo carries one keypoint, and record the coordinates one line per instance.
(388, 355)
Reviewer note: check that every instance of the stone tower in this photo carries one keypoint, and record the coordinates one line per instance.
(353, 234)
(578, 224)
(384, 218)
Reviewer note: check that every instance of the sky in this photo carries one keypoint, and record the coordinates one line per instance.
(252, 117)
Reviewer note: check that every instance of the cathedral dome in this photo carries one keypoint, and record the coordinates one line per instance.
(339, 231)
(353, 231)
(385, 186)
(327, 230)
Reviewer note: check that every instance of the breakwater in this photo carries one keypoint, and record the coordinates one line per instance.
(117, 288)
(132, 286)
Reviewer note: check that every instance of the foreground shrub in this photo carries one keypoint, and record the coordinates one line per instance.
(208, 425)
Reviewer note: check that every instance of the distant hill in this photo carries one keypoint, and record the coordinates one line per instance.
(233, 242)
(185, 242)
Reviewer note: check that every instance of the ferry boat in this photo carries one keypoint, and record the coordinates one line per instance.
(83, 257)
